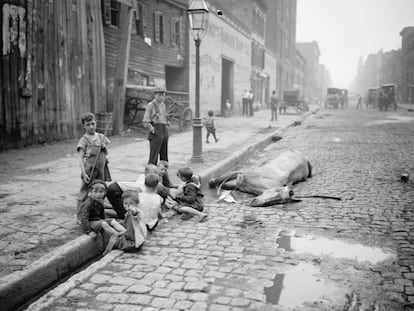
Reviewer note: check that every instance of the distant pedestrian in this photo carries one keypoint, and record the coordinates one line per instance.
(359, 104)
(155, 120)
(93, 217)
(190, 199)
(92, 152)
(245, 103)
(274, 103)
(251, 102)
(210, 126)
(228, 107)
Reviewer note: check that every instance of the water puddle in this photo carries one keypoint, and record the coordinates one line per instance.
(320, 246)
(298, 285)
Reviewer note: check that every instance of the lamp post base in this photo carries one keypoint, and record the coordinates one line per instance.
(197, 141)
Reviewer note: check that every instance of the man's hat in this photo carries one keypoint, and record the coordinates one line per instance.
(159, 90)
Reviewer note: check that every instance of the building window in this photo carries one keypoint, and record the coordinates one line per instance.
(175, 31)
(111, 10)
(258, 21)
(139, 15)
(158, 27)
(258, 56)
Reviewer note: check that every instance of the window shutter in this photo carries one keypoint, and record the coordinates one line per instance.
(156, 27)
(182, 32)
(143, 8)
(172, 31)
(106, 11)
(162, 25)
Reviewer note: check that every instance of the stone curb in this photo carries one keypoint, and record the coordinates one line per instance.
(19, 287)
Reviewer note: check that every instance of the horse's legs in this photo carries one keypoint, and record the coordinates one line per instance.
(225, 178)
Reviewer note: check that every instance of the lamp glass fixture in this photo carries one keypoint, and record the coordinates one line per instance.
(198, 18)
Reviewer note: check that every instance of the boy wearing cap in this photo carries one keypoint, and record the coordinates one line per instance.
(92, 214)
(155, 120)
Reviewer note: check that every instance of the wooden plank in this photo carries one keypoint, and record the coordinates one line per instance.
(121, 70)
(29, 77)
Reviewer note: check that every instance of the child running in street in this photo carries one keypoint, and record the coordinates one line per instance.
(92, 154)
(190, 199)
(93, 218)
(210, 126)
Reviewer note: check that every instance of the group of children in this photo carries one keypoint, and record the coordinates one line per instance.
(143, 202)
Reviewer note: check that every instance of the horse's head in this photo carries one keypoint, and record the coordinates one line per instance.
(279, 195)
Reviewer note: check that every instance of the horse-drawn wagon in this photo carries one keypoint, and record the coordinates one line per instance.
(177, 104)
(387, 98)
(293, 98)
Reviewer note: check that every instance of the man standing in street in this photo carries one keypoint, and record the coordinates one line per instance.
(274, 103)
(251, 102)
(359, 103)
(155, 120)
(245, 103)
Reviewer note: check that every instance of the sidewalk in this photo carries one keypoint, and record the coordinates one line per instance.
(38, 204)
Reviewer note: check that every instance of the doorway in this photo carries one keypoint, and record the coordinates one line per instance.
(227, 83)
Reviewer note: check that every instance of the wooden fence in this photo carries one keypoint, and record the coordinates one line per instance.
(52, 68)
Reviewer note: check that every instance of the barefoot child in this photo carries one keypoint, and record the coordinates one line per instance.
(136, 230)
(210, 126)
(190, 200)
(93, 218)
(92, 154)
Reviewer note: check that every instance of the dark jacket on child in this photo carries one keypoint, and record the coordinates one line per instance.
(191, 196)
(91, 210)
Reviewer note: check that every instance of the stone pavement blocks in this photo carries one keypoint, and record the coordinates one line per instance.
(139, 289)
(183, 305)
(139, 299)
(126, 307)
(162, 302)
(196, 287)
(174, 278)
(176, 285)
(100, 278)
(111, 289)
(216, 307)
(198, 297)
(160, 292)
(112, 297)
(123, 280)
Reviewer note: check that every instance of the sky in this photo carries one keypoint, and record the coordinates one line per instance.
(346, 30)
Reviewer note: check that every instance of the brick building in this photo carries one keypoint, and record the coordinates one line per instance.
(407, 64)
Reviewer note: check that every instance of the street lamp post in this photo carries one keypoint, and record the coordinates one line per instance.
(198, 19)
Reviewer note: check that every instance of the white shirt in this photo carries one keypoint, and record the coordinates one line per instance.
(137, 185)
(150, 205)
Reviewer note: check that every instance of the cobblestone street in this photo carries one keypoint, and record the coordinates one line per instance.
(232, 261)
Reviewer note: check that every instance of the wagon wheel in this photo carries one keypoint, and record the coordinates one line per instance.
(131, 110)
(186, 119)
(172, 113)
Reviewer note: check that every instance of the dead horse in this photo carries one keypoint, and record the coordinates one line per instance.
(271, 182)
